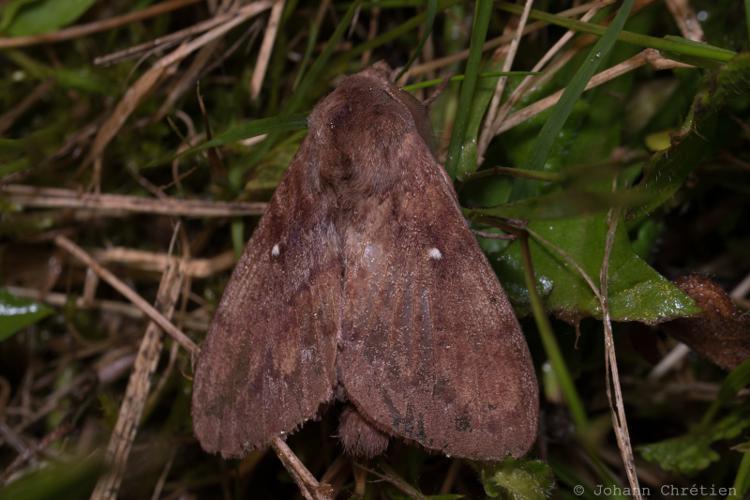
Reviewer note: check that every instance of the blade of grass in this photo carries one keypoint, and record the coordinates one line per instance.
(676, 45)
(572, 93)
(312, 39)
(482, 14)
(307, 81)
(742, 480)
(459, 78)
(551, 347)
(431, 12)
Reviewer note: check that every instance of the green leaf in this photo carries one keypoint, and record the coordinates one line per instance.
(72, 480)
(692, 452)
(667, 171)
(84, 79)
(636, 291)
(47, 16)
(9, 11)
(17, 313)
(518, 480)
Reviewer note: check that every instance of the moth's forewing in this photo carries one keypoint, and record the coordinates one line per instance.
(268, 361)
(431, 349)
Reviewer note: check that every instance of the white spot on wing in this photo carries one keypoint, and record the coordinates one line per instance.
(435, 254)
(275, 251)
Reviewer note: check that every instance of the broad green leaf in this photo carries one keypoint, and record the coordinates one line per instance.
(636, 291)
(9, 11)
(692, 452)
(666, 172)
(518, 480)
(17, 313)
(46, 16)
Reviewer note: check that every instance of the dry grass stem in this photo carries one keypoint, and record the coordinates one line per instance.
(107, 306)
(8, 118)
(135, 94)
(435, 64)
(616, 404)
(530, 81)
(116, 204)
(162, 41)
(139, 385)
(96, 26)
(266, 48)
(686, 20)
(129, 293)
(309, 487)
(510, 56)
(152, 261)
(647, 56)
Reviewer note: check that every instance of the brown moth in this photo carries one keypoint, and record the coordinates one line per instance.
(363, 283)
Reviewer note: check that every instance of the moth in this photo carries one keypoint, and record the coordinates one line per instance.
(363, 283)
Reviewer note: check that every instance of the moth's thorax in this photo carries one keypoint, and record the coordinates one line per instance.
(358, 130)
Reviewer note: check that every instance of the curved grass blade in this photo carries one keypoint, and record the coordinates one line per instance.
(431, 12)
(459, 78)
(572, 93)
(675, 45)
(482, 14)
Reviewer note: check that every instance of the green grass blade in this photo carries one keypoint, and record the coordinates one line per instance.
(432, 8)
(319, 65)
(673, 44)
(459, 78)
(312, 77)
(482, 14)
(573, 91)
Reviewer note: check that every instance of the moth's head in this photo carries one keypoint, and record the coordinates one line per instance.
(365, 120)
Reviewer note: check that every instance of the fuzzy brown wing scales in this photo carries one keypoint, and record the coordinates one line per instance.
(431, 350)
(268, 361)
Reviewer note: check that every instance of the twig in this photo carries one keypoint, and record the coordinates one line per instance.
(114, 204)
(152, 261)
(139, 385)
(266, 48)
(686, 20)
(647, 56)
(151, 77)
(9, 117)
(435, 64)
(617, 407)
(109, 306)
(129, 293)
(668, 362)
(510, 56)
(530, 80)
(308, 485)
(162, 41)
(741, 289)
(94, 27)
